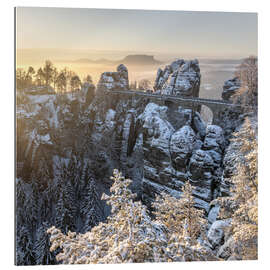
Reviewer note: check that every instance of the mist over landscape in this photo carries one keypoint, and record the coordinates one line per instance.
(214, 71)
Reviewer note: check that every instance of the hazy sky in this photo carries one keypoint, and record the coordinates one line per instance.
(203, 34)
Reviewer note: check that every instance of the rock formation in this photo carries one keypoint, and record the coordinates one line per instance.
(172, 157)
(114, 80)
(179, 78)
(230, 88)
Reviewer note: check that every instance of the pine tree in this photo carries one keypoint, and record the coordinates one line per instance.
(41, 248)
(91, 210)
(48, 70)
(64, 217)
(185, 224)
(20, 199)
(61, 82)
(24, 247)
(180, 214)
(40, 77)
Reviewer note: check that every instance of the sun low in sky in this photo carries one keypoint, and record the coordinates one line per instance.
(63, 31)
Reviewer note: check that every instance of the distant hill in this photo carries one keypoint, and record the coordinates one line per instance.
(140, 59)
(137, 59)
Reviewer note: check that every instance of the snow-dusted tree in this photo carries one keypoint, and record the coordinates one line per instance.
(30, 207)
(54, 77)
(247, 72)
(91, 209)
(66, 204)
(242, 206)
(64, 218)
(41, 247)
(20, 199)
(129, 235)
(42, 174)
(180, 215)
(185, 224)
(28, 77)
(24, 247)
(20, 78)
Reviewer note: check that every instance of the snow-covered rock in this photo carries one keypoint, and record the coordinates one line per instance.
(213, 214)
(114, 80)
(216, 232)
(171, 157)
(200, 163)
(226, 250)
(179, 78)
(182, 144)
(230, 87)
(199, 125)
(214, 138)
(157, 132)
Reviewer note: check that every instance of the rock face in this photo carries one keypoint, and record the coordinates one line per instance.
(182, 144)
(114, 80)
(171, 157)
(230, 88)
(230, 118)
(90, 93)
(181, 78)
(214, 139)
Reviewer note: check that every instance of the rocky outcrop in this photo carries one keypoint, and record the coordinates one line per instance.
(172, 157)
(114, 80)
(181, 78)
(214, 139)
(230, 87)
(89, 94)
(182, 144)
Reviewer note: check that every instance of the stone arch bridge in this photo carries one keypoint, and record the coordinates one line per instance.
(216, 106)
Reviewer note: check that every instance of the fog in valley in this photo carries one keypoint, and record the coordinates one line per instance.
(214, 72)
